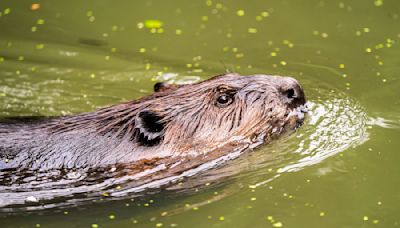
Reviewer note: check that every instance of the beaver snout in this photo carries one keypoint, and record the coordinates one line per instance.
(291, 91)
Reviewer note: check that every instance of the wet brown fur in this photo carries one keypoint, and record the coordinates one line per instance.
(177, 121)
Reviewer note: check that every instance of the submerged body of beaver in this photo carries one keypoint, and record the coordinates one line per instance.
(173, 126)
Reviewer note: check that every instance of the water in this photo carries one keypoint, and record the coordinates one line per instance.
(338, 170)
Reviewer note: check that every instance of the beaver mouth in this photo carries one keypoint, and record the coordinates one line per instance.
(293, 119)
(296, 116)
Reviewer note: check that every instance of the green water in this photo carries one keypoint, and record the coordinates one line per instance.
(339, 170)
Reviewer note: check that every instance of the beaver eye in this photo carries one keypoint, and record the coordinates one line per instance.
(224, 100)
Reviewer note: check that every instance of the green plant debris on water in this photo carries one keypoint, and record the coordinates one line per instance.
(350, 56)
(153, 24)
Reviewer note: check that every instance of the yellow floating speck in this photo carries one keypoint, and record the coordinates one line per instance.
(324, 35)
(376, 221)
(40, 21)
(239, 55)
(322, 214)
(366, 30)
(283, 63)
(140, 25)
(178, 32)
(341, 66)
(378, 3)
(204, 18)
(240, 13)
(95, 225)
(111, 216)
(35, 6)
(221, 218)
(164, 213)
(159, 225)
(209, 3)
(265, 14)
(368, 50)
(153, 24)
(148, 66)
(89, 13)
(2, 59)
(104, 193)
(277, 224)
(252, 30)
(259, 18)
(253, 198)
(7, 11)
(273, 54)
(39, 46)
(142, 50)
(34, 29)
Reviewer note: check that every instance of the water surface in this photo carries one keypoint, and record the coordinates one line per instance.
(338, 170)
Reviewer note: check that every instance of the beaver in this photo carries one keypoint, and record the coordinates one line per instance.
(176, 122)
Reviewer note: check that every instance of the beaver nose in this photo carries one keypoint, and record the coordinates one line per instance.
(292, 92)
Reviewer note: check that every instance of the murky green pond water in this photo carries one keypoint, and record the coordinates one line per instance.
(339, 170)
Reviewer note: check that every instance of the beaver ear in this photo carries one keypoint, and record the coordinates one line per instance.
(149, 128)
(164, 86)
(160, 86)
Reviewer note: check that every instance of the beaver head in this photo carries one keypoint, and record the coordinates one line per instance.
(205, 114)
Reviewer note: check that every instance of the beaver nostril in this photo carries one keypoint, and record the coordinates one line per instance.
(290, 93)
